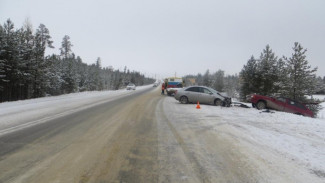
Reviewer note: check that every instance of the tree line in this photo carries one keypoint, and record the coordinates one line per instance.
(291, 77)
(26, 72)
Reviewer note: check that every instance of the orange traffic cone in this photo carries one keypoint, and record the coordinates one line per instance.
(198, 105)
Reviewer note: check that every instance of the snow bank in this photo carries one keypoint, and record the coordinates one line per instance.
(321, 113)
(24, 113)
(295, 138)
(319, 97)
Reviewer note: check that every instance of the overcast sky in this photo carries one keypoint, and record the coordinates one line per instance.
(161, 37)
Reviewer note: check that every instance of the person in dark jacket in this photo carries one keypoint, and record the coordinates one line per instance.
(163, 89)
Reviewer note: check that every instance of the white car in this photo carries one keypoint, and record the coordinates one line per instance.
(130, 86)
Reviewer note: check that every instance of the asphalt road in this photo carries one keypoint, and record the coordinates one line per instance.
(130, 139)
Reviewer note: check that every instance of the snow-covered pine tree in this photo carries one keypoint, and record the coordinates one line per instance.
(10, 56)
(69, 67)
(207, 79)
(301, 76)
(218, 81)
(268, 72)
(99, 80)
(2, 74)
(2, 62)
(320, 86)
(280, 77)
(231, 85)
(41, 66)
(54, 75)
(199, 79)
(66, 47)
(27, 59)
(82, 75)
(249, 78)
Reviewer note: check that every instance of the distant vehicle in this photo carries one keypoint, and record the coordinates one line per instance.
(202, 94)
(280, 104)
(173, 84)
(130, 86)
(155, 84)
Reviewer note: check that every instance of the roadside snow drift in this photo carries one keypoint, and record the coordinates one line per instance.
(21, 114)
(287, 144)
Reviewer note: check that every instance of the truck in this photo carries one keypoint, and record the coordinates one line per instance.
(173, 84)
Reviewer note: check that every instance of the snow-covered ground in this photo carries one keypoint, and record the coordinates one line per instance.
(280, 139)
(21, 114)
(297, 139)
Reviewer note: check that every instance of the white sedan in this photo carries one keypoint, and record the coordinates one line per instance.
(130, 86)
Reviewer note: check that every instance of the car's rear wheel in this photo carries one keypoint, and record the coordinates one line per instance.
(260, 105)
(183, 100)
(217, 102)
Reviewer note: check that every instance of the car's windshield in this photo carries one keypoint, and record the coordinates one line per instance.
(214, 91)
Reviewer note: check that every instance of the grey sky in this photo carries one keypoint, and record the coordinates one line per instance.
(184, 36)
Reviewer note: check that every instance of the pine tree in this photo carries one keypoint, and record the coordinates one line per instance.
(320, 86)
(10, 56)
(27, 58)
(2, 62)
(40, 70)
(68, 67)
(99, 80)
(54, 75)
(231, 85)
(300, 74)
(199, 79)
(66, 47)
(218, 83)
(206, 78)
(268, 72)
(249, 77)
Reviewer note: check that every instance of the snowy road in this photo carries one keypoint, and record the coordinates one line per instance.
(141, 136)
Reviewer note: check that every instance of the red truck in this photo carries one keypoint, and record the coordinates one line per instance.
(280, 104)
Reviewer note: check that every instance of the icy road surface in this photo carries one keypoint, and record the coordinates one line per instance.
(141, 136)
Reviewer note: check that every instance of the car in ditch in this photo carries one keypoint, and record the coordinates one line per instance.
(202, 94)
(280, 104)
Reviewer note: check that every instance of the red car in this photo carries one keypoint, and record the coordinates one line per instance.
(280, 104)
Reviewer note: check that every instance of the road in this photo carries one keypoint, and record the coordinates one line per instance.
(130, 139)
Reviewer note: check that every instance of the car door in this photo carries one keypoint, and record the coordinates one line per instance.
(278, 104)
(205, 96)
(295, 107)
(192, 94)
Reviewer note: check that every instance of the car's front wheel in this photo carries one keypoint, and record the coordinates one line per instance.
(217, 102)
(260, 105)
(183, 100)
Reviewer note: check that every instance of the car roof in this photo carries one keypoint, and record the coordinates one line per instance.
(200, 87)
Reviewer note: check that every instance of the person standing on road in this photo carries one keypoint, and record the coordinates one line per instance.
(163, 89)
